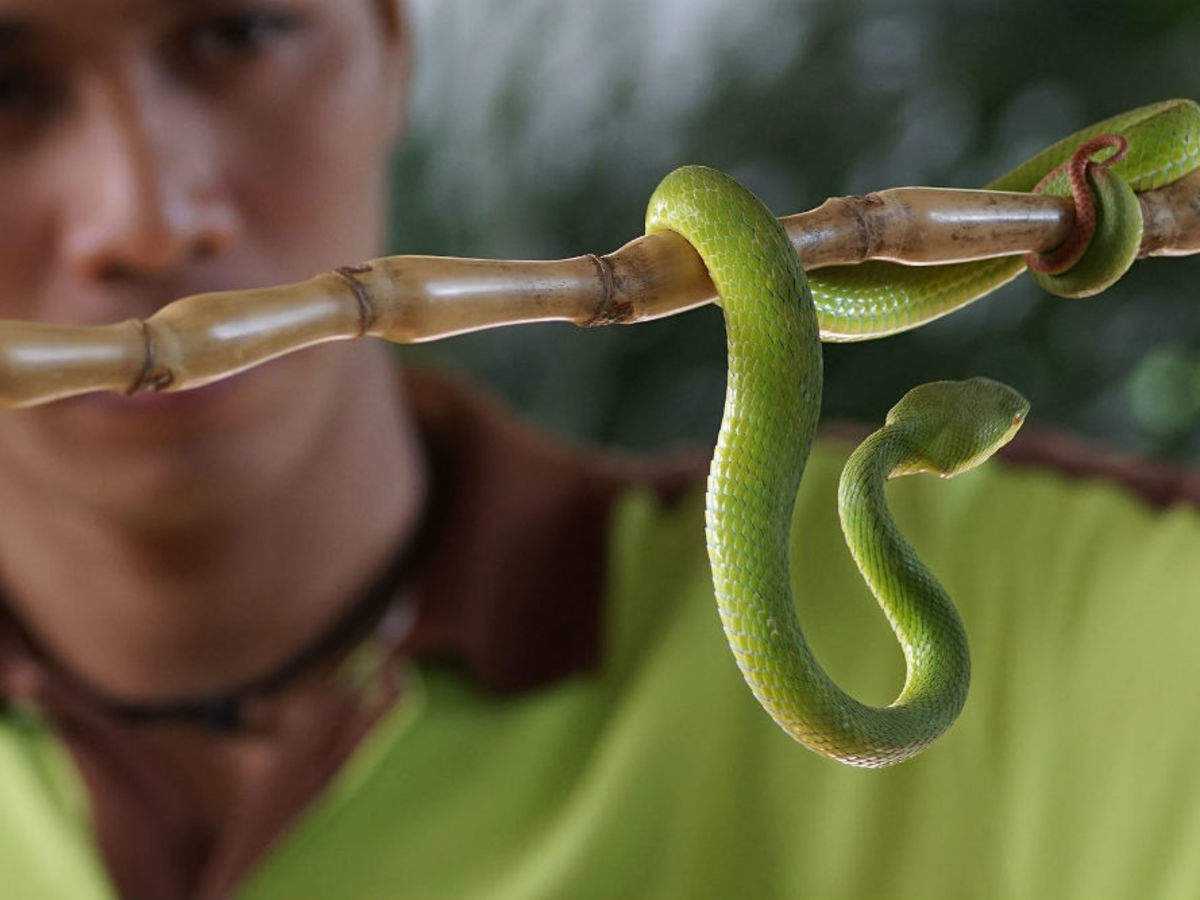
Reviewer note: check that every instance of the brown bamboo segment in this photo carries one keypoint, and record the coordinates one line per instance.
(406, 299)
(40, 362)
(927, 226)
(205, 337)
(1171, 218)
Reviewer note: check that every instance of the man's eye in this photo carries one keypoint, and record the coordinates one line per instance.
(242, 35)
(27, 96)
(18, 88)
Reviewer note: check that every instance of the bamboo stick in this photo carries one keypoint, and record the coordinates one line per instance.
(407, 299)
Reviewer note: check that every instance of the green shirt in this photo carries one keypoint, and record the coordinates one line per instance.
(1071, 773)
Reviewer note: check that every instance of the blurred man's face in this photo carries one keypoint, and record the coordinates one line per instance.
(151, 149)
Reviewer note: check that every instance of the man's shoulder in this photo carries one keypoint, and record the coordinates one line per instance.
(514, 589)
(454, 410)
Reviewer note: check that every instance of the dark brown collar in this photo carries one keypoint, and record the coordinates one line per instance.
(514, 593)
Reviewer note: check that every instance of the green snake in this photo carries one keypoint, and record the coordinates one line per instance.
(775, 319)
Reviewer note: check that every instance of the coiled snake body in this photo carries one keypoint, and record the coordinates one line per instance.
(775, 319)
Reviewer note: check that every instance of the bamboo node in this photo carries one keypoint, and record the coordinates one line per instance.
(608, 310)
(366, 312)
(151, 377)
(865, 210)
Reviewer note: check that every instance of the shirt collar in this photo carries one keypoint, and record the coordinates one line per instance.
(514, 591)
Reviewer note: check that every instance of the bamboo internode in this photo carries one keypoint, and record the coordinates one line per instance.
(407, 299)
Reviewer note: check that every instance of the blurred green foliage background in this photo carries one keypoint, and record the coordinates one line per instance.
(540, 127)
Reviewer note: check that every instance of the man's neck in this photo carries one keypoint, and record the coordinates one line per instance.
(193, 606)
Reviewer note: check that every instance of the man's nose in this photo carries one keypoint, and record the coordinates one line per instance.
(145, 198)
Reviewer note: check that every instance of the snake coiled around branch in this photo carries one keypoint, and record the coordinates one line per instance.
(774, 316)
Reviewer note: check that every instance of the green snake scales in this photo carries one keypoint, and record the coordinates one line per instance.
(775, 320)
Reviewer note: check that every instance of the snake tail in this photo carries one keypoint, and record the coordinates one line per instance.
(772, 402)
(1108, 225)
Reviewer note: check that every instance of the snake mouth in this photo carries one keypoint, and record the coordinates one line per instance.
(1017, 421)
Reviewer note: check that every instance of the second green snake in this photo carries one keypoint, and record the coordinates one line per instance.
(775, 319)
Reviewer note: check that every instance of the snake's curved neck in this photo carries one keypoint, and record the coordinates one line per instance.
(920, 612)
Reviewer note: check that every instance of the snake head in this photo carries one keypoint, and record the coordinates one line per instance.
(953, 426)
